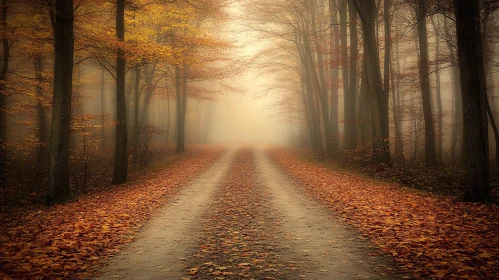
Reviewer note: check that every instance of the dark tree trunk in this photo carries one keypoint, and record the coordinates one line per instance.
(321, 80)
(334, 75)
(103, 107)
(307, 81)
(440, 138)
(424, 78)
(488, 54)
(495, 130)
(121, 149)
(350, 122)
(347, 99)
(474, 96)
(379, 106)
(3, 80)
(63, 17)
(41, 130)
(399, 148)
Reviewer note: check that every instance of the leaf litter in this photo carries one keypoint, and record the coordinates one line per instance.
(434, 238)
(73, 239)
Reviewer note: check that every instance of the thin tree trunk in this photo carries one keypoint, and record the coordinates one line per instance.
(457, 109)
(136, 126)
(321, 81)
(180, 79)
(347, 99)
(350, 122)
(316, 140)
(334, 76)
(494, 128)
(41, 130)
(121, 149)
(103, 107)
(62, 18)
(399, 149)
(144, 122)
(168, 112)
(424, 78)
(439, 93)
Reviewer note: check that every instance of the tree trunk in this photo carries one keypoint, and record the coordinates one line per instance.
(399, 148)
(350, 122)
(180, 90)
(103, 107)
(168, 112)
(379, 106)
(474, 96)
(3, 80)
(440, 139)
(136, 127)
(457, 108)
(121, 149)
(424, 78)
(494, 128)
(321, 80)
(307, 80)
(144, 122)
(59, 190)
(347, 99)
(41, 130)
(334, 75)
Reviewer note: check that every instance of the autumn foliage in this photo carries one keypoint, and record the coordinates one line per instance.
(70, 240)
(433, 237)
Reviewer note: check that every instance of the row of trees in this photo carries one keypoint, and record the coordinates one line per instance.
(152, 50)
(392, 70)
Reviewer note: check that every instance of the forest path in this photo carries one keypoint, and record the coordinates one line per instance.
(167, 241)
(245, 219)
(323, 245)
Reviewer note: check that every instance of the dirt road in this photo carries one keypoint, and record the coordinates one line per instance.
(244, 219)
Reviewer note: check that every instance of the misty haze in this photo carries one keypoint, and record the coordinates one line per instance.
(250, 139)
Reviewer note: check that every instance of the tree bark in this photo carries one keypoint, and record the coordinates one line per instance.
(334, 76)
(347, 100)
(367, 11)
(136, 127)
(59, 190)
(180, 86)
(321, 79)
(41, 149)
(121, 149)
(424, 78)
(440, 138)
(3, 97)
(474, 96)
(307, 80)
(103, 107)
(350, 122)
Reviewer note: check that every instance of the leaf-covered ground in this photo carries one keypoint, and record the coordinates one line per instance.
(240, 231)
(437, 238)
(71, 240)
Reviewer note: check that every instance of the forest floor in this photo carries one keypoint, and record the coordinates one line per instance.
(254, 214)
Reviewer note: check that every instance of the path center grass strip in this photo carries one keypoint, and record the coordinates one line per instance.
(434, 238)
(69, 241)
(240, 236)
